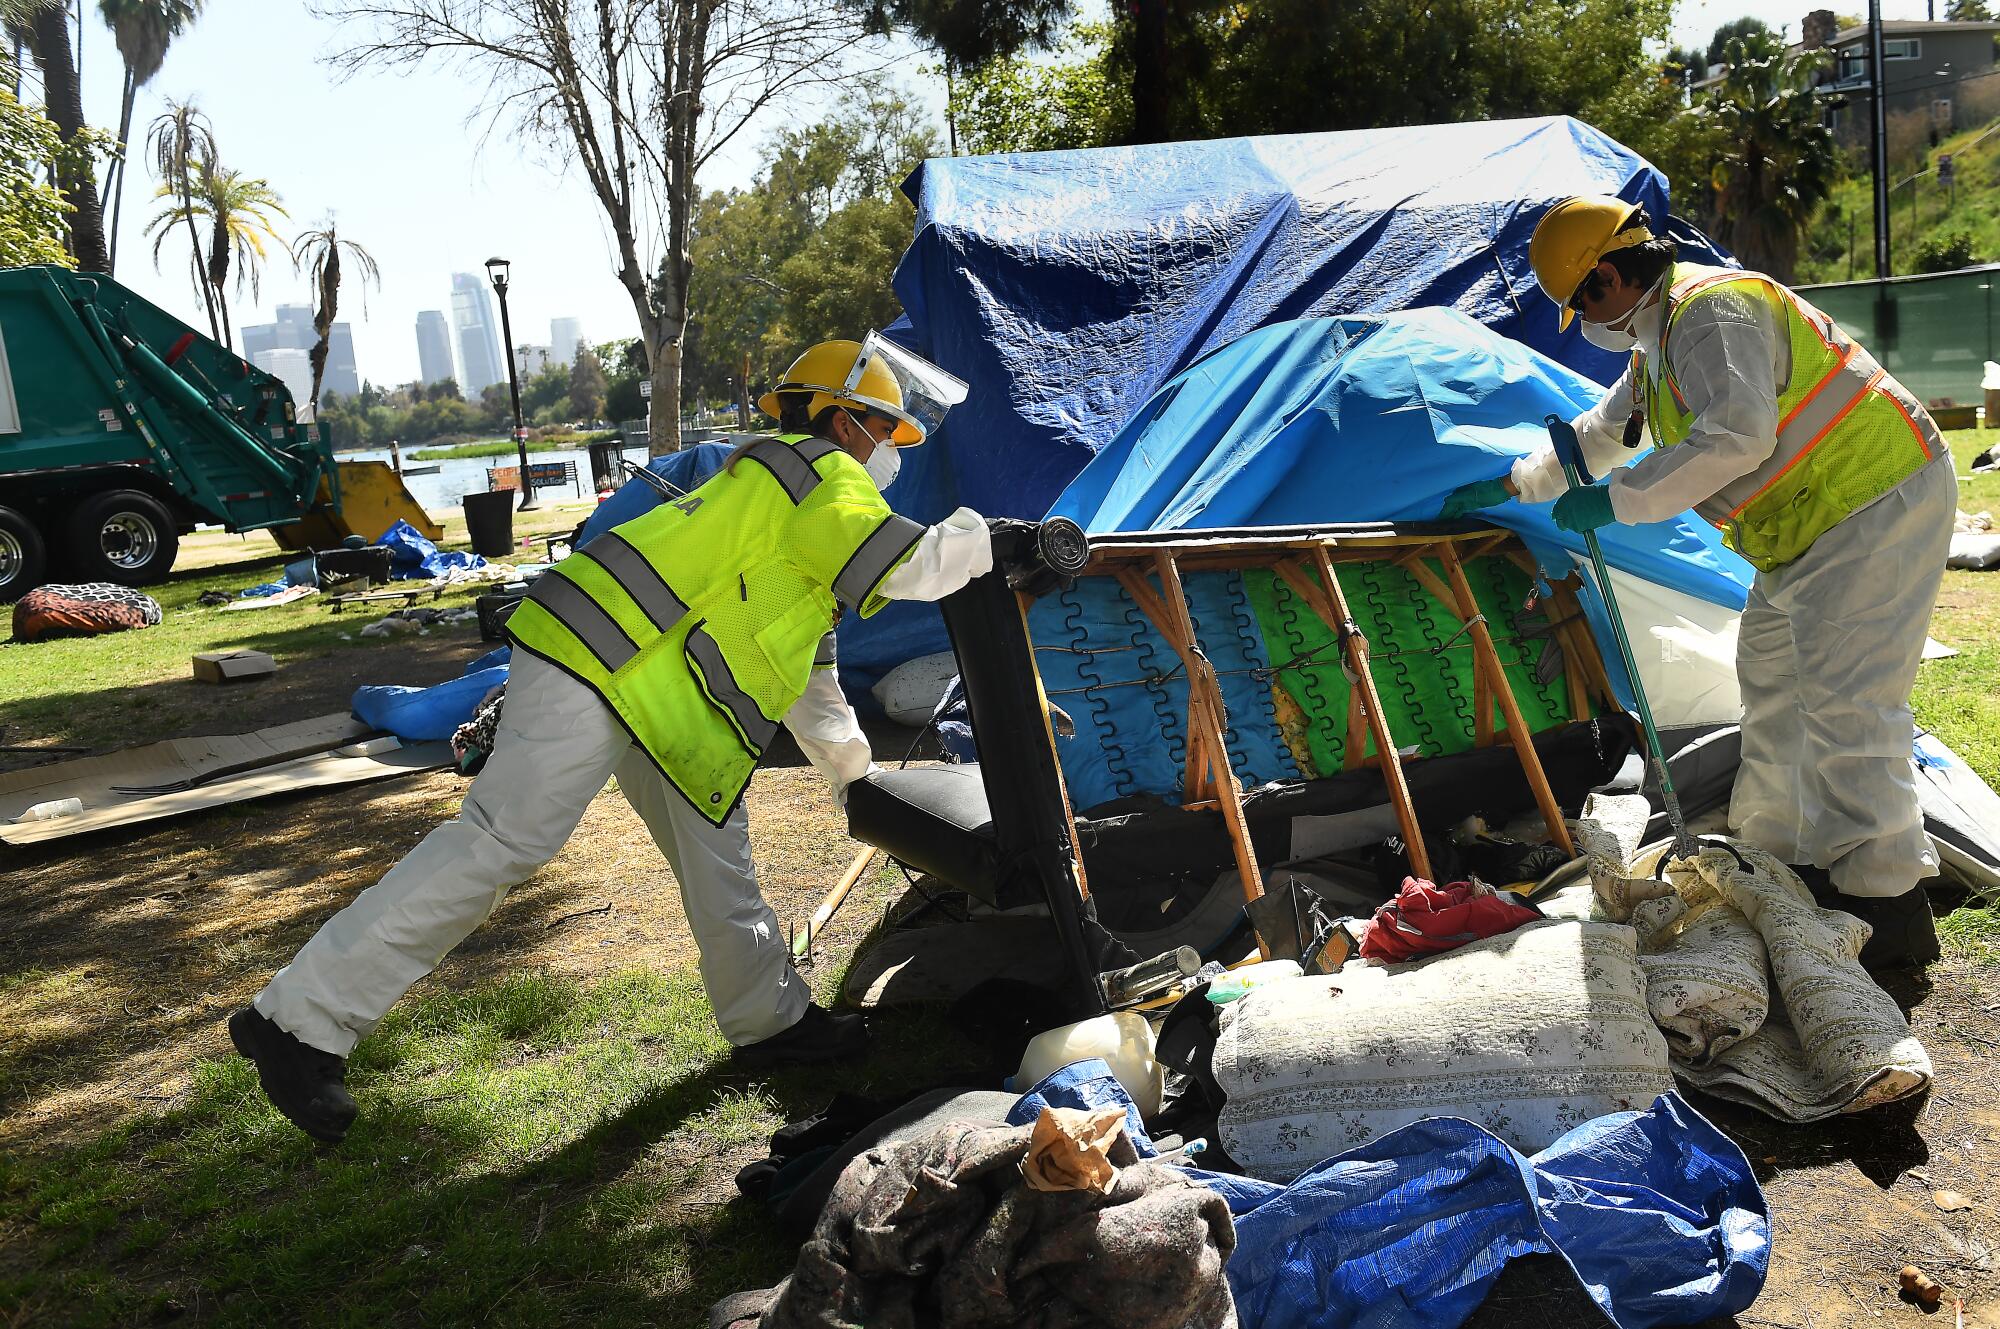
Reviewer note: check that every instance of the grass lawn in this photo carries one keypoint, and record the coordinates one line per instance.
(550, 1125)
(502, 447)
(136, 686)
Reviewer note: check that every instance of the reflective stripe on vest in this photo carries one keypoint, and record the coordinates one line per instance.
(720, 684)
(571, 606)
(826, 655)
(640, 579)
(895, 537)
(1773, 514)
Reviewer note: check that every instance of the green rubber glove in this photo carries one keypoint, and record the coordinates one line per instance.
(1584, 509)
(1471, 498)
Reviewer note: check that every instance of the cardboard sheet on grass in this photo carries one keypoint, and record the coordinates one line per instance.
(318, 753)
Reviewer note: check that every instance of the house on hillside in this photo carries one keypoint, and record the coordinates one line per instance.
(1942, 72)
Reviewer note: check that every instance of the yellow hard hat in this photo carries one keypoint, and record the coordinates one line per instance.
(1573, 236)
(827, 371)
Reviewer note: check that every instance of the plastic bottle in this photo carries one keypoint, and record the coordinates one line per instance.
(49, 811)
(1123, 1039)
(1238, 982)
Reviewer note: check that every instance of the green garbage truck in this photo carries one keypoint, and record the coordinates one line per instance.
(122, 429)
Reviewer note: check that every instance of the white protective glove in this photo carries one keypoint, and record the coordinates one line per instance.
(829, 735)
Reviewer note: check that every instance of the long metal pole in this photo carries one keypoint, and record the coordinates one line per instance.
(514, 386)
(1571, 453)
(1880, 135)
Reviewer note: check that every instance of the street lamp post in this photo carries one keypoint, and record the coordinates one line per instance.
(497, 269)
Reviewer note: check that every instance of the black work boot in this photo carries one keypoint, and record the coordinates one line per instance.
(1904, 933)
(307, 1085)
(819, 1035)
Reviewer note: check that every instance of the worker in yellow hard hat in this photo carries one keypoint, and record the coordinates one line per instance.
(1829, 477)
(666, 651)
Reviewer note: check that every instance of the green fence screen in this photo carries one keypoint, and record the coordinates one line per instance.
(1933, 333)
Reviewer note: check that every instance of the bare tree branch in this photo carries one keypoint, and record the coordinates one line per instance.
(637, 95)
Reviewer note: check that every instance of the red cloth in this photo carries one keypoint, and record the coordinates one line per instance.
(1424, 919)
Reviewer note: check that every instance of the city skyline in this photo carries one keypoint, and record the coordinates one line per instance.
(477, 326)
(436, 361)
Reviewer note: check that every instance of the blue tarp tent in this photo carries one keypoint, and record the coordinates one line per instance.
(1067, 287)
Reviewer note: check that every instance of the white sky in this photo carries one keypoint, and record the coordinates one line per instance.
(393, 157)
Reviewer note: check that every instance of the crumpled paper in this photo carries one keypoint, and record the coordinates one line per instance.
(1070, 1149)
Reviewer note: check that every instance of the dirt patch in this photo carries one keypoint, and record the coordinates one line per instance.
(124, 954)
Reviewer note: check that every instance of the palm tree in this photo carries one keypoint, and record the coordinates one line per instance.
(178, 141)
(1777, 161)
(143, 30)
(43, 26)
(319, 253)
(237, 210)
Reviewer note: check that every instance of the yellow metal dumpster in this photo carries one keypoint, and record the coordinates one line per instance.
(372, 499)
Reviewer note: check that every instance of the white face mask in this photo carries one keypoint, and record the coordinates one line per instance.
(1607, 338)
(883, 465)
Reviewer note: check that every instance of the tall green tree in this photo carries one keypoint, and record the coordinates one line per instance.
(178, 141)
(238, 211)
(34, 216)
(1077, 100)
(43, 27)
(831, 190)
(320, 252)
(1775, 161)
(1748, 30)
(142, 31)
(586, 384)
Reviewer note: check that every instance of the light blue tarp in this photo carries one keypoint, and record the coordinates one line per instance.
(1657, 1213)
(426, 714)
(1371, 419)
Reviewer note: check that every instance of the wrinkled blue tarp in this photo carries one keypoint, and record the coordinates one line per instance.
(1657, 1213)
(411, 555)
(1067, 287)
(1368, 419)
(421, 714)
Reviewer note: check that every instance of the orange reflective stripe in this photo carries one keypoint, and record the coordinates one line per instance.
(1909, 420)
(1846, 356)
(1811, 443)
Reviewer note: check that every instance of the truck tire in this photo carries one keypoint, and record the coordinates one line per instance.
(122, 536)
(23, 557)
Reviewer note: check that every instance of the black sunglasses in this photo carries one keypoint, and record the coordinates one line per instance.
(1592, 287)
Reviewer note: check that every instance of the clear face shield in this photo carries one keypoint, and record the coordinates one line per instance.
(885, 375)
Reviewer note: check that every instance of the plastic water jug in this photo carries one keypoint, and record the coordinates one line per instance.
(1123, 1039)
(55, 807)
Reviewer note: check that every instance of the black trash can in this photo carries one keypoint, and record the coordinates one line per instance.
(489, 520)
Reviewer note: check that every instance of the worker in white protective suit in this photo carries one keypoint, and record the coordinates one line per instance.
(666, 651)
(1830, 478)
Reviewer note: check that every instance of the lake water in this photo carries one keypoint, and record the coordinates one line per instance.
(459, 476)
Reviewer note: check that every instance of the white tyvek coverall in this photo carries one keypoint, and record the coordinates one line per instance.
(556, 745)
(1829, 644)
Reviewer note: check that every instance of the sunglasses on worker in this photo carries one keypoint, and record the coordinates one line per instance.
(1591, 289)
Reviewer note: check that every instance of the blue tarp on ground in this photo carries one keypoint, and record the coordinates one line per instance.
(1657, 1213)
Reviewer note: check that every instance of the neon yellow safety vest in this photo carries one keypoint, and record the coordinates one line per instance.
(700, 622)
(1848, 433)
